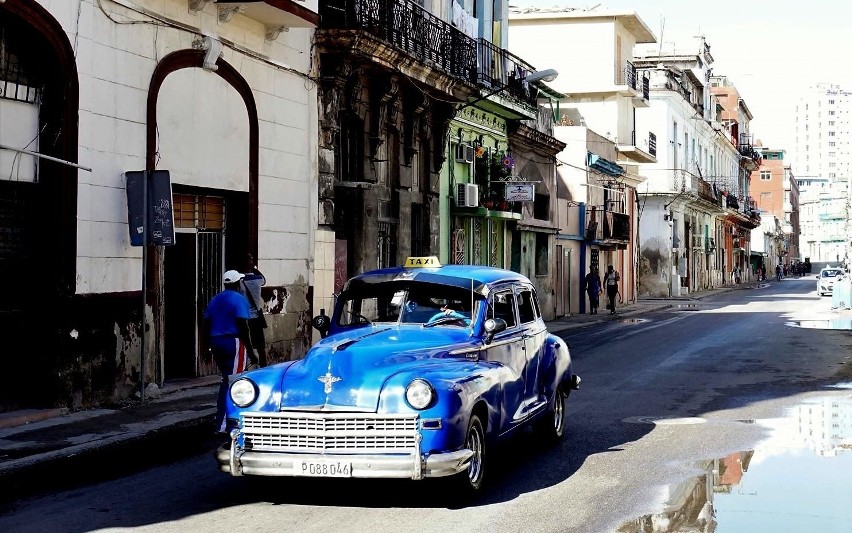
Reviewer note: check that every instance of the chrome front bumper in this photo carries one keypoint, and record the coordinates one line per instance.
(238, 462)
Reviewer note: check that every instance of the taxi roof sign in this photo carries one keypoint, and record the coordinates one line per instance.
(422, 262)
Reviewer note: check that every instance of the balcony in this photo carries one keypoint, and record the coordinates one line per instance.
(500, 70)
(750, 158)
(405, 27)
(274, 14)
(607, 228)
(645, 152)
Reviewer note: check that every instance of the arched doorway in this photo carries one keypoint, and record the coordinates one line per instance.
(38, 197)
(216, 203)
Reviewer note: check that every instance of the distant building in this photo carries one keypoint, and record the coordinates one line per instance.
(776, 192)
(824, 223)
(824, 132)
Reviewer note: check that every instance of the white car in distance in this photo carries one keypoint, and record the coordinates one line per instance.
(826, 279)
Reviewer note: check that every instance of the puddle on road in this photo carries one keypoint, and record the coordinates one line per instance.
(800, 479)
(833, 323)
(632, 320)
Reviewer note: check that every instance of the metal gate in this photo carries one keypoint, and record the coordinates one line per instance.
(210, 263)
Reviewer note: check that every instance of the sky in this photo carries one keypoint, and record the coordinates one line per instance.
(772, 50)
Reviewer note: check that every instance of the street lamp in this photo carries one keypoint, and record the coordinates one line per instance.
(547, 75)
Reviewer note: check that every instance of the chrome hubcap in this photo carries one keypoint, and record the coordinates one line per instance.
(474, 444)
(558, 412)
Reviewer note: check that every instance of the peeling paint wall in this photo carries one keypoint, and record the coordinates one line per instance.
(287, 309)
(655, 259)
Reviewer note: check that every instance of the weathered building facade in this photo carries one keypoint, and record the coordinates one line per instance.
(696, 216)
(220, 97)
(391, 74)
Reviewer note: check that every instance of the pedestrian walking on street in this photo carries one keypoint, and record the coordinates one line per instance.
(227, 332)
(252, 281)
(611, 279)
(593, 289)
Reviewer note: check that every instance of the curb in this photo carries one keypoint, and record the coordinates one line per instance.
(28, 416)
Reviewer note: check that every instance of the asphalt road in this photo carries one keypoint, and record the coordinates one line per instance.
(660, 395)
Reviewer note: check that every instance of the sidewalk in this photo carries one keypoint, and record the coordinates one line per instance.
(34, 441)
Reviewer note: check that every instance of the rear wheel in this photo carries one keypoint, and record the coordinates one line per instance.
(551, 424)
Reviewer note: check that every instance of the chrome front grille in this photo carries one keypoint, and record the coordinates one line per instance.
(329, 432)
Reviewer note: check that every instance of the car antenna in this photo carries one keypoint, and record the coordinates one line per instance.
(471, 305)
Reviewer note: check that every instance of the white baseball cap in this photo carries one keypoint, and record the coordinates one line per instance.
(232, 276)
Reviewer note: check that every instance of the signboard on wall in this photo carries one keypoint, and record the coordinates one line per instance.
(160, 222)
(519, 193)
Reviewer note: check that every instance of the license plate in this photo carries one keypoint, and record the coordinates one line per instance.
(324, 468)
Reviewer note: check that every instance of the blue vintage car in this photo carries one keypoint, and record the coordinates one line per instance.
(420, 370)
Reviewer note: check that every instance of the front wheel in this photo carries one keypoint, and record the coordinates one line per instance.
(472, 479)
(551, 424)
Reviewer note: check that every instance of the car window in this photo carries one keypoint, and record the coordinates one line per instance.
(830, 273)
(502, 305)
(526, 307)
(381, 307)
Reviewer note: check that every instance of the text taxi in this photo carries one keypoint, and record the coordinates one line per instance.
(420, 370)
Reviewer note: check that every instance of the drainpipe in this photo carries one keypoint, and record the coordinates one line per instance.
(583, 269)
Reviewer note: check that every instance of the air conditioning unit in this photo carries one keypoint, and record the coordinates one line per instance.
(467, 195)
(464, 153)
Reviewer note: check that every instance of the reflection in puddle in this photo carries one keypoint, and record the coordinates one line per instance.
(798, 480)
(835, 323)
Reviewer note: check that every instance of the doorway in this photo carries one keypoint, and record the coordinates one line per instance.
(192, 271)
(563, 281)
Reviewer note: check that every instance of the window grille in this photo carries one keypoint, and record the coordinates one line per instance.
(477, 242)
(386, 244)
(459, 247)
(17, 82)
(200, 212)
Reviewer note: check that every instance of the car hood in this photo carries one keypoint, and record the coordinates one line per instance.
(347, 371)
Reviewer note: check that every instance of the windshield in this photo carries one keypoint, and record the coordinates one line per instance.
(409, 302)
(830, 273)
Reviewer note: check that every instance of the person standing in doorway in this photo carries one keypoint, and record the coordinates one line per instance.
(611, 279)
(227, 332)
(252, 281)
(593, 289)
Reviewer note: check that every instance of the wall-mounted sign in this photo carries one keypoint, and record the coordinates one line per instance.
(520, 193)
(160, 221)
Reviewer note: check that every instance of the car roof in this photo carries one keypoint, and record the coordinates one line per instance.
(463, 276)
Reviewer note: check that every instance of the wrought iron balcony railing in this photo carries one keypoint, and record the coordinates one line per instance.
(652, 142)
(501, 69)
(409, 27)
(627, 76)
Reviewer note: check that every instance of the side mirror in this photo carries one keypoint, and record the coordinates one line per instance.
(493, 326)
(322, 323)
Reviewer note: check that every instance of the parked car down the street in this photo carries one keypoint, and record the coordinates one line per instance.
(826, 279)
(420, 371)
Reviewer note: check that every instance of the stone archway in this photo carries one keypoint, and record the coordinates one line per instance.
(242, 229)
(38, 208)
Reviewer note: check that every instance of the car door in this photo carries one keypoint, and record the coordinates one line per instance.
(507, 350)
(534, 334)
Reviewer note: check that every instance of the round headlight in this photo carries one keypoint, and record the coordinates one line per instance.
(243, 392)
(419, 394)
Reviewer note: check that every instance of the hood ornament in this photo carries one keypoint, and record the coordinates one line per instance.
(327, 379)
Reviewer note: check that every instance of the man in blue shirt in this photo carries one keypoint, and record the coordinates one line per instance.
(227, 331)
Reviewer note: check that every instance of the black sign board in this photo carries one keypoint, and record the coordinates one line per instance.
(160, 223)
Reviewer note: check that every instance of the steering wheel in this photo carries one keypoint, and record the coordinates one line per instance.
(447, 316)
